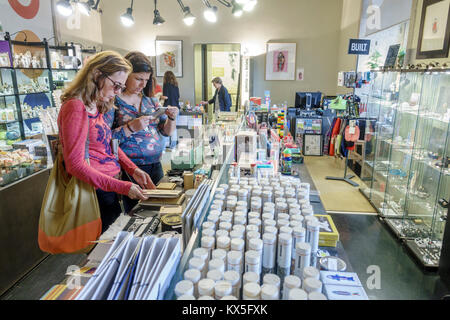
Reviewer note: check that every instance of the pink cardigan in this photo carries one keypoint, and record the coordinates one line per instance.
(73, 129)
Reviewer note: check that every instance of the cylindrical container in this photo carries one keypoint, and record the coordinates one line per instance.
(251, 235)
(269, 223)
(257, 245)
(251, 291)
(299, 218)
(269, 207)
(221, 289)
(271, 229)
(208, 225)
(219, 191)
(231, 205)
(313, 230)
(281, 207)
(257, 193)
(220, 197)
(255, 206)
(255, 222)
(226, 219)
(208, 243)
(250, 228)
(297, 294)
(266, 196)
(303, 202)
(220, 254)
(269, 292)
(186, 297)
(221, 233)
(198, 264)
(291, 200)
(216, 264)
(290, 282)
(282, 223)
(307, 212)
(234, 278)
(294, 210)
(194, 276)
(184, 287)
(236, 234)
(240, 220)
(298, 236)
(216, 206)
(311, 272)
(312, 285)
(208, 233)
(225, 226)
(254, 215)
(278, 194)
(200, 253)
(252, 261)
(250, 277)
(308, 208)
(241, 210)
(306, 186)
(228, 215)
(237, 244)
(308, 219)
(280, 200)
(234, 259)
(302, 258)
(290, 194)
(272, 279)
(206, 287)
(283, 216)
(284, 254)
(223, 243)
(286, 229)
(215, 275)
(316, 296)
(294, 224)
(267, 215)
(205, 298)
(242, 203)
(239, 228)
(302, 195)
(233, 191)
(243, 195)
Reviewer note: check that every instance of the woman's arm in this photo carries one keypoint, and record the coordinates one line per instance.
(125, 163)
(74, 130)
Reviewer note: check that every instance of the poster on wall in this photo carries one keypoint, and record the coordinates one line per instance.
(280, 61)
(434, 34)
(226, 65)
(169, 57)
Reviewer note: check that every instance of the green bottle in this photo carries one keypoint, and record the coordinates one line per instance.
(286, 167)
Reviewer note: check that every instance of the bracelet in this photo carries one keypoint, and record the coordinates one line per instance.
(173, 119)
(129, 128)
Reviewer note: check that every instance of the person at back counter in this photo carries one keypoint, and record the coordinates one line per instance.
(221, 99)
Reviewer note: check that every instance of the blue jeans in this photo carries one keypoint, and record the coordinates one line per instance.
(156, 173)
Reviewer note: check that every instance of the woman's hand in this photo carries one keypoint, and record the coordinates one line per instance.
(143, 179)
(172, 112)
(136, 193)
(139, 124)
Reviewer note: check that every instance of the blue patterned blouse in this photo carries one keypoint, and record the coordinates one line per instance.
(143, 147)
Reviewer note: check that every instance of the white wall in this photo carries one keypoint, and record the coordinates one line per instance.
(313, 25)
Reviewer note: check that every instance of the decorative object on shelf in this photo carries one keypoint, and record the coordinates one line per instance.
(169, 57)
(281, 61)
(434, 34)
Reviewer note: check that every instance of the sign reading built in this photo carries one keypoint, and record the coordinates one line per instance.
(359, 46)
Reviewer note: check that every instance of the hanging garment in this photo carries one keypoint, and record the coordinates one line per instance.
(334, 134)
(351, 138)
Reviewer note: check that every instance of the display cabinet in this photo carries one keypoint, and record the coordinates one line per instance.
(411, 159)
(64, 64)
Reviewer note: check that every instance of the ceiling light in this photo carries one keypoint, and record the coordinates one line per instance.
(157, 20)
(127, 18)
(237, 10)
(210, 14)
(64, 7)
(189, 18)
(84, 7)
(250, 5)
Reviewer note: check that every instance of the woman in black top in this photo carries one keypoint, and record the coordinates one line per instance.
(172, 94)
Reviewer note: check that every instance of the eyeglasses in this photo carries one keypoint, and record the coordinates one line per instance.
(117, 86)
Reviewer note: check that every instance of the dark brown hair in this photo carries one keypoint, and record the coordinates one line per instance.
(169, 77)
(139, 61)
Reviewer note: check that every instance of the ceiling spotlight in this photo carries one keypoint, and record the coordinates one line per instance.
(64, 7)
(85, 7)
(127, 17)
(189, 18)
(210, 14)
(157, 20)
(250, 5)
(237, 10)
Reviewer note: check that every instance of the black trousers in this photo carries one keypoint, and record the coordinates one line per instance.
(156, 173)
(109, 207)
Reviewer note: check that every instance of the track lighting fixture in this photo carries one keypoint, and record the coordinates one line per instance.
(210, 12)
(127, 18)
(85, 7)
(237, 10)
(250, 5)
(157, 20)
(188, 17)
(64, 7)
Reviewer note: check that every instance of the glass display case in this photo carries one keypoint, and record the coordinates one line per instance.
(412, 152)
(64, 64)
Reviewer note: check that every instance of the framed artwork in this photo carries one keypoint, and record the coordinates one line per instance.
(280, 61)
(169, 57)
(434, 34)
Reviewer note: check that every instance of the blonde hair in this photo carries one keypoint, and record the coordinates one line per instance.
(86, 85)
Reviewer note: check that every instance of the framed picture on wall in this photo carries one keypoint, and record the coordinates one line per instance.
(169, 57)
(280, 61)
(434, 34)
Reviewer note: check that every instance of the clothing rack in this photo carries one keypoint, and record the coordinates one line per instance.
(346, 178)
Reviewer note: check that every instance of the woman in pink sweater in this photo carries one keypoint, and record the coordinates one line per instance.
(84, 134)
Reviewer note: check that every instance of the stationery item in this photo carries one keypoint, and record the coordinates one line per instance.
(156, 193)
(340, 292)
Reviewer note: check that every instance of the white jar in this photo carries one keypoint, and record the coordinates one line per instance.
(234, 278)
(251, 291)
(284, 253)
(216, 264)
(240, 228)
(240, 220)
(250, 277)
(290, 282)
(281, 207)
(215, 275)
(250, 228)
(234, 259)
(206, 287)
(236, 234)
(222, 289)
(266, 196)
(311, 272)
(312, 285)
(271, 229)
(297, 294)
(208, 233)
(227, 219)
(272, 279)
(290, 201)
(257, 193)
(298, 236)
(269, 252)
(231, 205)
(313, 230)
(286, 229)
(294, 210)
(254, 215)
(208, 243)
(243, 195)
(237, 245)
(255, 206)
(184, 287)
(251, 235)
(294, 224)
(302, 258)
(220, 197)
(221, 233)
(194, 276)
(225, 226)
(252, 261)
(220, 254)
(267, 215)
(255, 222)
(200, 253)
(224, 243)
(283, 216)
(269, 292)
(299, 218)
(282, 223)
(269, 223)
(316, 296)
(242, 203)
(198, 264)
(208, 225)
(257, 245)
(290, 194)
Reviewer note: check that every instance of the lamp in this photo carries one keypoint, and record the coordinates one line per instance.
(127, 17)
(64, 7)
(188, 17)
(157, 20)
(237, 10)
(210, 12)
(85, 7)
(250, 5)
